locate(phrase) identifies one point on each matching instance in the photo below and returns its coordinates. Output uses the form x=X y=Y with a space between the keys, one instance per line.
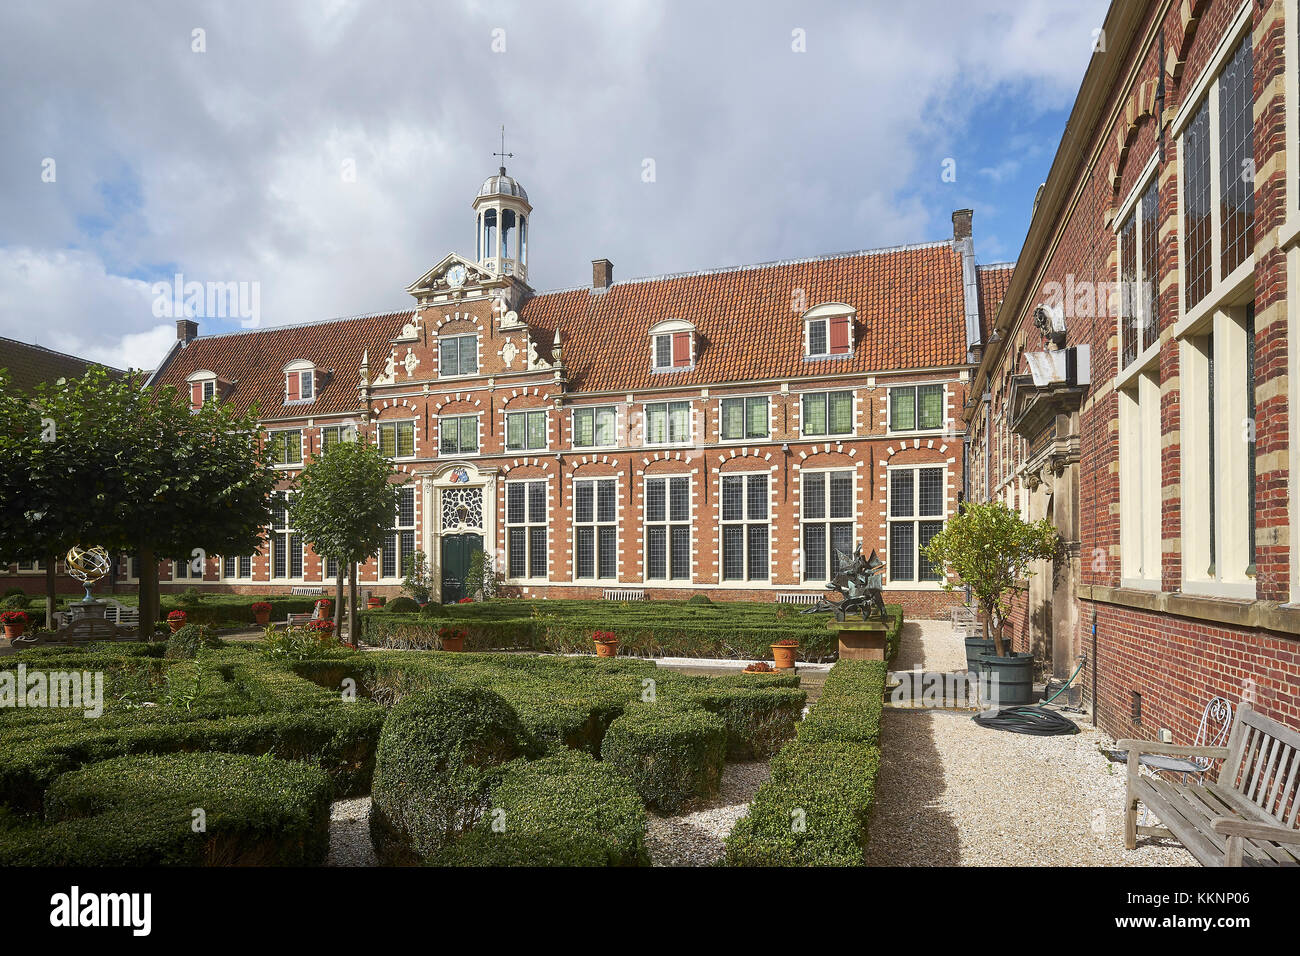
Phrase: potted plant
x=466 y=600
x=988 y=547
x=261 y=613
x=322 y=629
x=14 y=622
x=418 y=582
x=452 y=638
x=783 y=652
x=176 y=620
x=606 y=643
x=759 y=667
x=375 y=601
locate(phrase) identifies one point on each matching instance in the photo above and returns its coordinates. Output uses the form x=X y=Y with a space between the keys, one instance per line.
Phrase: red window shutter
x=839 y=334
x=196 y=394
x=681 y=349
x=293 y=386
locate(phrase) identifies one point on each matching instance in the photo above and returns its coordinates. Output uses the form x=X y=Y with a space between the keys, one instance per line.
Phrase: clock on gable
x=456 y=276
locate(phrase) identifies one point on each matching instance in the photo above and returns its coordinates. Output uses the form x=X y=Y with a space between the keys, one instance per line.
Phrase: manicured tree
x=345 y=505
x=989 y=547
x=131 y=468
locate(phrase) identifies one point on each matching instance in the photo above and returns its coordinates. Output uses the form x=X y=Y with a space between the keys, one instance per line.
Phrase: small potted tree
x=418 y=582
x=606 y=643
x=14 y=622
x=176 y=620
x=988 y=547
x=261 y=613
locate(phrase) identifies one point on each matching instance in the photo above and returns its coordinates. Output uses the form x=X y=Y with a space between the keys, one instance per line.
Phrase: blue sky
x=210 y=139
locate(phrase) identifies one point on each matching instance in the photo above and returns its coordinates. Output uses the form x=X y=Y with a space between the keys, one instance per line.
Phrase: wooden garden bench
x=306 y=617
x=1248 y=817
x=305 y=590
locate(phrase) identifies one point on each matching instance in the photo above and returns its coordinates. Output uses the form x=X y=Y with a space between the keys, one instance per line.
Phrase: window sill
x=828 y=355
x=1139 y=365
x=916 y=433
x=837 y=436
x=527 y=451
x=744 y=441
x=1267 y=615
x=672 y=368
x=575 y=449
x=1226 y=288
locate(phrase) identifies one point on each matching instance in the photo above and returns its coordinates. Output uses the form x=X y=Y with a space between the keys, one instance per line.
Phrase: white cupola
x=501 y=216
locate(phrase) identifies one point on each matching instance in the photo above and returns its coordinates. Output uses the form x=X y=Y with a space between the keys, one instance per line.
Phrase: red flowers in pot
x=261 y=612
x=452 y=638
x=14 y=622
x=176 y=620
x=783 y=652
x=606 y=643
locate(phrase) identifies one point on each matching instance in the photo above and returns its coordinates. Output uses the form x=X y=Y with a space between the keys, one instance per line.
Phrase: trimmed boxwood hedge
x=730 y=630
x=672 y=753
x=438 y=754
x=815 y=809
x=758 y=720
x=140 y=811
x=566 y=809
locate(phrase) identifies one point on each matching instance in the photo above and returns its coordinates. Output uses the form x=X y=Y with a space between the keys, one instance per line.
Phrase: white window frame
x=238 y=575
x=37 y=566
x=597 y=524
x=825 y=520
x=828 y=434
x=1140 y=481
x=594 y=409
x=525 y=412
x=744 y=400
x=667 y=329
x=668 y=443
x=285 y=534
x=271 y=437
x=478 y=357
x=394 y=536
x=528 y=525
x=823 y=313
x=668 y=523
x=745 y=523
x=1206 y=89
x=915 y=519
x=916 y=387
x=395 y=424
x=478 y=435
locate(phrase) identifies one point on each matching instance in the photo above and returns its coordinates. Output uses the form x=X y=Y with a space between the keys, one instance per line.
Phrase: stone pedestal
x=87 y=609
x=860 y=640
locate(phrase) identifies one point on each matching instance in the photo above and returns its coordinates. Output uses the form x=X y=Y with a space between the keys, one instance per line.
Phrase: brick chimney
x=602 y=274
x=961 y=223
x=187 y=330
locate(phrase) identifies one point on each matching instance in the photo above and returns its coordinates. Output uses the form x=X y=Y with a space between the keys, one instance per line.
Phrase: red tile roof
x=993 y=280
x=28 y=365
x=254 y=361
x=748 y=322
x=910 y=314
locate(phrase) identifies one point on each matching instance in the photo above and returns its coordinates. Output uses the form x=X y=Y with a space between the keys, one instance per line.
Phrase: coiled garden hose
x=1031 y=720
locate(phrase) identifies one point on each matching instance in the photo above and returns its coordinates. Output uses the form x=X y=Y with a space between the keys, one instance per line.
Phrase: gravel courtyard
x=951 y=793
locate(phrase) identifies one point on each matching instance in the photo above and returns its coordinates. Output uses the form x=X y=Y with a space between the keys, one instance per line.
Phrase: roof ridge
x=771 y=264
x=66 y=355
x=309 y=324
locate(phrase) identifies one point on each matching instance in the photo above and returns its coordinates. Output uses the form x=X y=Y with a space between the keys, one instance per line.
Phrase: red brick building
x=1135 y=385
x=723 y=431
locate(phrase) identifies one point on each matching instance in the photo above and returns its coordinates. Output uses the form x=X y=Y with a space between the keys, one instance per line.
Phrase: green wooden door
x=457 y=549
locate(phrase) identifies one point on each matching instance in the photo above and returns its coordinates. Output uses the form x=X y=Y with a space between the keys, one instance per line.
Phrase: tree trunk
x=148 y=591
x=338 y=595
x=999 y=647
x=353 y=622
x=50 y=596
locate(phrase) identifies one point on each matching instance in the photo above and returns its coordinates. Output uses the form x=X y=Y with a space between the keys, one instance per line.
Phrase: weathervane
x=503 y=154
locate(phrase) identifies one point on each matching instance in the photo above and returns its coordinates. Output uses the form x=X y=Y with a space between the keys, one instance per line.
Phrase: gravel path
x=953 y=793
x=350 y=834
x=695 y=838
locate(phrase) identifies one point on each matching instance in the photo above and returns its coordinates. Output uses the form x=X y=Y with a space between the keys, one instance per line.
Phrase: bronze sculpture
x=859 y=581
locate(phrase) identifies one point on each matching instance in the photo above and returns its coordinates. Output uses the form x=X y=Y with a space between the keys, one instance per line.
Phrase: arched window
x=507 y=233
x=523 y=240
x=489 y=234
x=478 y=236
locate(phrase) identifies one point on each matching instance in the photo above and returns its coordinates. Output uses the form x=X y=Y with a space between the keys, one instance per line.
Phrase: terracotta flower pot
x=783 y=656
x=324 y=633
x=14 y=630
x=262 y=617
x=374 y=602
x=607 y=648
x=175 y=625
x=453 y=643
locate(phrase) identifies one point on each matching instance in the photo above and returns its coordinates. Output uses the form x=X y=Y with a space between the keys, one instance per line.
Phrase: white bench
x=303 y=590
x=797 y=597
x=1248 y=817
x=305 y=618
x=625 y=594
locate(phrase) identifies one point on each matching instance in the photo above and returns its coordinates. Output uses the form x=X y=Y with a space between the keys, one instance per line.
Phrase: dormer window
x=204 y=387
x=828 y=331
x=672 y=345
x=300 y=382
